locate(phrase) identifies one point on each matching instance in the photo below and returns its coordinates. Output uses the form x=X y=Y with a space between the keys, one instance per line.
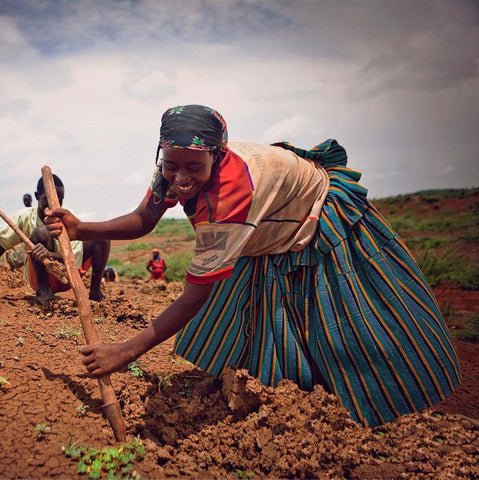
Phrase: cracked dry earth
x=193 y=426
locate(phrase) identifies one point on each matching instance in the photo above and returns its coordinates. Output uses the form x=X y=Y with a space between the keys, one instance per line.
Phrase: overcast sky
x=83 y=86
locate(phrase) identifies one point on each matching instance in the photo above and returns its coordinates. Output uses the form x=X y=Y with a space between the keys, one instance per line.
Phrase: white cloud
x=84 y=85
x=287 y=128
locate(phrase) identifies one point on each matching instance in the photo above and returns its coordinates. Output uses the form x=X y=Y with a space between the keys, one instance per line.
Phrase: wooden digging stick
x=52 y=266
x=111 y=407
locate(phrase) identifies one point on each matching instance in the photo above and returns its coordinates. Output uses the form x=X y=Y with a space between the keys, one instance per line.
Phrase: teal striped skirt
x=352 y=311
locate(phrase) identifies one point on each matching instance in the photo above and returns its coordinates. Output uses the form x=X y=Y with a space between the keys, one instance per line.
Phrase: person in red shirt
x=156 y=266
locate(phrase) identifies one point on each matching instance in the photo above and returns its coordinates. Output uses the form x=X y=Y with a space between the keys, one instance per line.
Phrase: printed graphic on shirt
x=262 y=200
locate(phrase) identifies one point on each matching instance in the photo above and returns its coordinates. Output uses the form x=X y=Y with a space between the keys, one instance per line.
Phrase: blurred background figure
x=16 y=257
x=110 y=274
x=156 y=265
x=27 y=200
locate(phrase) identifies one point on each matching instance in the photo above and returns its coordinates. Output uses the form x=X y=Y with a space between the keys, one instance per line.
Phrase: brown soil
x=194 y=426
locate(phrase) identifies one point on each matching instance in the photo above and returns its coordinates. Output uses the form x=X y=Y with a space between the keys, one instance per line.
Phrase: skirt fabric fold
x=352 y=311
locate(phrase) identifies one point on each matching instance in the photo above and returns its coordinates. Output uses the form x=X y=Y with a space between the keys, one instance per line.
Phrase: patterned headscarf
x=195 y=127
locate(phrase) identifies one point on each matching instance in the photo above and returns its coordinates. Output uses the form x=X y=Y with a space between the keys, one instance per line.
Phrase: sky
x=83 y=85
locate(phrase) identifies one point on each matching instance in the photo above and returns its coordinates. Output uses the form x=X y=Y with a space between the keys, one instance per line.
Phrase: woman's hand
x=102 y=359
x=58 y=218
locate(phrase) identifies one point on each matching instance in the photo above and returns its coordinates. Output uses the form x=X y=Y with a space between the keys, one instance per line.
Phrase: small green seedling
x=3 y=382
x=164 y=380
x=185 y=388
x=110 y=463
x=20 y=341
x=41 y=429
x=41 y=336
x=99 y=320
x=178 y=360
x=135 y=369
x=82 y=409
x=243 y=473
x=66 y=332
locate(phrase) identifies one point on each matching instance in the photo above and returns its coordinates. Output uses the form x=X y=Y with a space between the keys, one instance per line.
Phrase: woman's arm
x=101 y=359
x=132 y=225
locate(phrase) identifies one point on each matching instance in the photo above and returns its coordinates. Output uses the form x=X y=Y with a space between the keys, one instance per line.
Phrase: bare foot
x=45 y=296
x=96 y=296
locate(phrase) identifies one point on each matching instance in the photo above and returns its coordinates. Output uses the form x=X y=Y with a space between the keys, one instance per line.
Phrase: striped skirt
x=352 y=311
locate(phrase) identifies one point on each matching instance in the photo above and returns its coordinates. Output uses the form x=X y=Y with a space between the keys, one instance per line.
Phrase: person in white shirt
x=88 y=253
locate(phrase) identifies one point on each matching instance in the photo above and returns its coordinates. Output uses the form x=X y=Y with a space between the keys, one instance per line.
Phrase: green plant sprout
x=3 y=382
x=41 y=336
x=41 y=429
x=242 y=473
x=20 y=341
x=185 y=388
x=66 y=332
x=178 y=360
x=135 y=369
x=164 y=380
x=81 y=409
x=108 y=462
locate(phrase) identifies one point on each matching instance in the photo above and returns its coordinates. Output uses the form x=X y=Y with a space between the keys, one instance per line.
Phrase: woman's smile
x=186 y=170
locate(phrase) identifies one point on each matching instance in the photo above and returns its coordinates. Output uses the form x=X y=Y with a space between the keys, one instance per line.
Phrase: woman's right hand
x=58 y=218
x=105 y=358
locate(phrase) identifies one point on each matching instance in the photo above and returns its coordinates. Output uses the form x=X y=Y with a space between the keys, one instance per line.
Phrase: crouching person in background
x=31 y=222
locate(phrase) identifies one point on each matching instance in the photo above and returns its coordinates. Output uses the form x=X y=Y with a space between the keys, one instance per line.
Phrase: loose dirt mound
x=191 y=424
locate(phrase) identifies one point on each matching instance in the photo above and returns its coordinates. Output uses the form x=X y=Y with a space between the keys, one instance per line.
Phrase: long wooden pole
x=52 y=266
x=111 y=407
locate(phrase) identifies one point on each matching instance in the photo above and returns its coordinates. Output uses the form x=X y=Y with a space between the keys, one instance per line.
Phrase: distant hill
x=441 y=227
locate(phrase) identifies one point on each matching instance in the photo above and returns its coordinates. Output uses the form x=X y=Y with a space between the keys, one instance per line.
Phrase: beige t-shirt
x=260 y=200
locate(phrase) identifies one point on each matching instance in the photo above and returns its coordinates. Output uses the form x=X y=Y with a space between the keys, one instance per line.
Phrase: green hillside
x=441 y=228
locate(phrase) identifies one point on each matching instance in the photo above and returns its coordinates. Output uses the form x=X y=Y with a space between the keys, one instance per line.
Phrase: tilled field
x=192 y=425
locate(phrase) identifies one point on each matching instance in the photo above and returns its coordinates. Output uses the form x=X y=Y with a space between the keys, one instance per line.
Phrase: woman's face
x=187 y=171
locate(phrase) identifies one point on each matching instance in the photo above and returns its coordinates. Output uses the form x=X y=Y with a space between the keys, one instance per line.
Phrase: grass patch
x=442 y=222
x=426 y=243
x=470 y=330
x=177 y=265
x=443 y=267
x=129 y=269
x=137 y=246
x=169 y=227
x=464 y=326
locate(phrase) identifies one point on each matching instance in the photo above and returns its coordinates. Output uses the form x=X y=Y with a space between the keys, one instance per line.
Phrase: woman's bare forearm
x=102 y=359
x=125 y=227
x=132 y=225
x=173 y=319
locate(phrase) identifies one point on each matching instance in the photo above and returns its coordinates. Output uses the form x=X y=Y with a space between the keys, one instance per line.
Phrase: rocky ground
x=193 y=426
